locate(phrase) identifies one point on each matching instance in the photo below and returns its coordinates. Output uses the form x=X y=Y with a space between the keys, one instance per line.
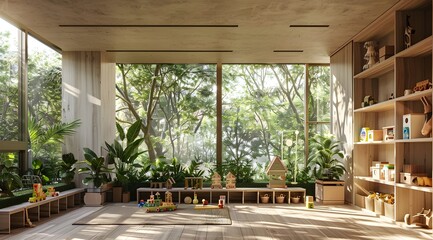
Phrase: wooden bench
x=241 y=195
x=15 y=216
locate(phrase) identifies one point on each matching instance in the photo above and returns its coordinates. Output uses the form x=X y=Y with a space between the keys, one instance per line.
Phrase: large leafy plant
x=95 y=168
x=67 y=167
x=325 y=156
x=9 y=179
x=124 y=152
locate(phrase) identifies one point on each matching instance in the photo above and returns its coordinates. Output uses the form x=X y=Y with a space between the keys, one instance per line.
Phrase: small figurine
x=205 y=202
x=195 y=200
x=423 y=219
x=141 y=203
x=371 y=55
x=427 y=128
x=408 y=32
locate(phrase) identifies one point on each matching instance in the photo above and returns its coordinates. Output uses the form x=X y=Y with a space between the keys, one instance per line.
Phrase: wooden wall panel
x=88 y=94
x=342 y=109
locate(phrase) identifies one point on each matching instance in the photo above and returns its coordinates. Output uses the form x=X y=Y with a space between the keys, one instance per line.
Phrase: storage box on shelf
x=402 y=69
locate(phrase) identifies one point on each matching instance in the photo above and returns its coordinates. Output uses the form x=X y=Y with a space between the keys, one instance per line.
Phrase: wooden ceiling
x=197 y=31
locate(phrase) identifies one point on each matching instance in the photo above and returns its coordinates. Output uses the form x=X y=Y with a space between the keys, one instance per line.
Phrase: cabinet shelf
x=374 y=143
x=415 y=96
x=413 y=187
x=378 y=107
x=370 y=179
x=422 y=48
x=415 y=140
x=377 y=70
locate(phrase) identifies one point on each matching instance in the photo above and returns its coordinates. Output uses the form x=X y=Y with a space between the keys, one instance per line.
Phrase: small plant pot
x=280 y=199
x=265 y=198
x=295 y=199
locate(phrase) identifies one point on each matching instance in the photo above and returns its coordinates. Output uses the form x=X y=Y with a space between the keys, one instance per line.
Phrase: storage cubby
x=402 y=71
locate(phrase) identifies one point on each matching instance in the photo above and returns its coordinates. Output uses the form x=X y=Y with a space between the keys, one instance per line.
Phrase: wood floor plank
x=250 y=221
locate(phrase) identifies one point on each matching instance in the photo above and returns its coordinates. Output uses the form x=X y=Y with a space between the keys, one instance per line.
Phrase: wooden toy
x=169 y=183
x=157 y=184
x=222 y=200
x=375 y=135
x=427 y=127
x=309 y=202
x=371 y=55
x=195 y=200
x=216 y=181
x=412 y=125
x=156 y=205
x=194 y=182
x=277 y=173
x=368 y=101
x=51 y=192
x=230 y=181
x=422 y=85
x=388 y=133
x=38 y=193
x=423 y=219
x=221 y=203
x=187 y=200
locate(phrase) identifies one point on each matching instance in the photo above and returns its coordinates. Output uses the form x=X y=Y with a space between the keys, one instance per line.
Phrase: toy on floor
x=38 y=193
x=423 y=219
x=156 y=205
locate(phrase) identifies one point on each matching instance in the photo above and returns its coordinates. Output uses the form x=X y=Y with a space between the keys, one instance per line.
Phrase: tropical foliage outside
x=266 y=111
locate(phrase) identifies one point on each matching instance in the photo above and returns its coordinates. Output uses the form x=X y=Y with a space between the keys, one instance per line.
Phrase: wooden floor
x=249 y=222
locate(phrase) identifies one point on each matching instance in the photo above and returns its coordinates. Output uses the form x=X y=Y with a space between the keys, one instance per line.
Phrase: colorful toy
x=205 y=202
x=423 y=219
x=221 y=203
x=216 y=181
x=230 y=181
x=141 y=203
x=277 y=173
x=38 y=193
x=156 y=205
x=51 y=192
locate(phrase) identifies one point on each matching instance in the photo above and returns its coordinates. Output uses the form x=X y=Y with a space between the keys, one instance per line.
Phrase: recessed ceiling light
x=289 y=51
x=309 y=25
x=170 y=51
x=147 y=26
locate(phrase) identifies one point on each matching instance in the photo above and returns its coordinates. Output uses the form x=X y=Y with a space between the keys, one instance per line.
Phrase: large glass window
x=9 y=81
x=263 y=116
x=44 y=72
x=177 y=106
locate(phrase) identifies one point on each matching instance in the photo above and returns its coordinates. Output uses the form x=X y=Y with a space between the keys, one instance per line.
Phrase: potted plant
x=123 y=154
x=97 y=175
x=325 y=156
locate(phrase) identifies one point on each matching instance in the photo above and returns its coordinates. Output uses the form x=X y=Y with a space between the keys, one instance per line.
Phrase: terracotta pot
x=265 y=198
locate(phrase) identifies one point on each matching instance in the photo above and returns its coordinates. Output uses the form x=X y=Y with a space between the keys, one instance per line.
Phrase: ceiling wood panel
x=263 y=26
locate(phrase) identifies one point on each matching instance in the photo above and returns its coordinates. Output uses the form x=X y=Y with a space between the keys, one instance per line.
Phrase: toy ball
x=187 y=200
